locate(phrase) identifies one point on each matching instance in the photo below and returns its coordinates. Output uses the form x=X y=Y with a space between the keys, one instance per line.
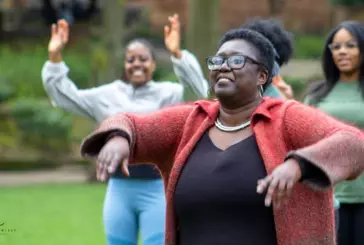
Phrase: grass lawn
x=52 y=215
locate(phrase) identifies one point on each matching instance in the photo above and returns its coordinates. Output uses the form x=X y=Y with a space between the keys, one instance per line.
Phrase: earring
x=209 y=92
x=261 y=90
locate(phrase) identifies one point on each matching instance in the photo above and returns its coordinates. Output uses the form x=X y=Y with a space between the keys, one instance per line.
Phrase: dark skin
x=138 y=64
x=237 y=92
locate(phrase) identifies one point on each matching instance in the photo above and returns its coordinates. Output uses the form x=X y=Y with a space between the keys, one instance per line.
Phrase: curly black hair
x=262 y=45
x=273 y=30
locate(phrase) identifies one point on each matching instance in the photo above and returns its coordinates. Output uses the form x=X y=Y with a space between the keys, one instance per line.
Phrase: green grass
x=52 y=215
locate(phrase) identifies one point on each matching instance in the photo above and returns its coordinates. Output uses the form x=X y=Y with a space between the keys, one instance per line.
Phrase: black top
x=139 y=171
x=216 y=200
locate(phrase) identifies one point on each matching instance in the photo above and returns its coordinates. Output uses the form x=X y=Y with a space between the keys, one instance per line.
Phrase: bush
x=21 y=67
x=40 y=125
x=6 y=90
x=308 y=47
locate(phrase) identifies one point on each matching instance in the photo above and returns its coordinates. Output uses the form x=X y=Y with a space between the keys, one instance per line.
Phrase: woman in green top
x=341 y=96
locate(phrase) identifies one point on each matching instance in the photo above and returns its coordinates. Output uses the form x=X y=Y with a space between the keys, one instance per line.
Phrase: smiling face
x=139 y=64
x=238 y=85
x=345 y=52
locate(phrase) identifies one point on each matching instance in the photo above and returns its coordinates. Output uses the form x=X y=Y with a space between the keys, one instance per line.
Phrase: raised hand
x=172 y=36
x=59 y=38
x=283 y=87
x=280 y=182
x=116 y=151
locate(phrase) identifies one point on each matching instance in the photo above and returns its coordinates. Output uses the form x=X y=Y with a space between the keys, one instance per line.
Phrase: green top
x=345 y=102
x=272 y=91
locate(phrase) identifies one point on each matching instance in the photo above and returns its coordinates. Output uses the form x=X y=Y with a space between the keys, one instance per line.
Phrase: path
x=67 y=174
x=304 y=69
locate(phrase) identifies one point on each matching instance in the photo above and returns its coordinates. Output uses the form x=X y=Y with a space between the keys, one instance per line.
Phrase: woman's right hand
x=116 y=151
x=59 y=39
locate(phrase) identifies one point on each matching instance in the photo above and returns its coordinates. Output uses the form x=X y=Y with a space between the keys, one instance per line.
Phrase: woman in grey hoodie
x=138 y=202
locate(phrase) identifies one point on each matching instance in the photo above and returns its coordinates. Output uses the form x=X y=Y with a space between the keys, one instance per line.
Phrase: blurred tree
x=113 y=30
x=275 y=7
x=202 y=28
x=347 y=9
x=69 y=10
x=347 y=2
x=12 y=14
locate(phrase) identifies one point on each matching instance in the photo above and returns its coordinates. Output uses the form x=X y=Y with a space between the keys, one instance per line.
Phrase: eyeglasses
x=334 y=47
x=234 y=62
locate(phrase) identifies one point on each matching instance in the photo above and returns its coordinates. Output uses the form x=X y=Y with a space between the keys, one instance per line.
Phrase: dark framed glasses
x=234 y=62
x=334 y=47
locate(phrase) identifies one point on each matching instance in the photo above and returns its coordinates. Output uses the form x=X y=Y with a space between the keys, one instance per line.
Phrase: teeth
x=224 y=79
x=138 y=73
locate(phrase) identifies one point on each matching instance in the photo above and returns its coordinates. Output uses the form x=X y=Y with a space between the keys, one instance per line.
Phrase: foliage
x=298 y=86
x=21 y=67
x=347 y=3
x=6 y=90
x=40 y=125
x=308 y=47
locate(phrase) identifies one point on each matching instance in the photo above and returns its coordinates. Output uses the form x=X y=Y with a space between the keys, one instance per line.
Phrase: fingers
x=54 y=29
x=113 y=164
x=166 y=31
x=62 y=24
x=271 y=191
x=290 y=185
x=63 y=29
x=281 y=193
x=124 y=167
x=103 y=161
x=101 y=172
x=175 y=24
x=263 y=184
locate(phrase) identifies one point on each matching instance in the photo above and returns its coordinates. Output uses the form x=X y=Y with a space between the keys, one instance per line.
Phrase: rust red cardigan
x=282 y=129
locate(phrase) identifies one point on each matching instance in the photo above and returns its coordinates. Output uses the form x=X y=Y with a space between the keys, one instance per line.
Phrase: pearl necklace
x=219 y=125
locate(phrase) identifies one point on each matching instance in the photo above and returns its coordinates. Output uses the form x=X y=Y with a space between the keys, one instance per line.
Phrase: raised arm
x=335 y=148
x=64 y=93
x=152 y=137
x=59 y=87
x=185 y=65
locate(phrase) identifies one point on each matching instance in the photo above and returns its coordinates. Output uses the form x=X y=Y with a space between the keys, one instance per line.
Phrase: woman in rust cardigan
x=225 y=162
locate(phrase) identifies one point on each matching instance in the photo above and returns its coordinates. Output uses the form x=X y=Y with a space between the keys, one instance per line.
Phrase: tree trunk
x=113 y=23
x=203 y=28
x=275 y=7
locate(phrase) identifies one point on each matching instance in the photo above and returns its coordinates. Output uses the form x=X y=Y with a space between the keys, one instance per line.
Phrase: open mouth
x=224 y=80
x=137 y=73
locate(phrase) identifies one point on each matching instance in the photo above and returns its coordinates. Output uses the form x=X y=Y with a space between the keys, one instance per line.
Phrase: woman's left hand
x=280 y=182
x=172 y=36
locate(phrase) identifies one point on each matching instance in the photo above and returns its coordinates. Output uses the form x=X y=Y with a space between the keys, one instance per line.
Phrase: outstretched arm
x=333 y=147
x=59 y=87
x=324 y=151
x=65 y=94
x=152 y=137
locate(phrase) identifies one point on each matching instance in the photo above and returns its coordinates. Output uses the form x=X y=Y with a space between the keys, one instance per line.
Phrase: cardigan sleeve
x=153 y=137
x=334 y=147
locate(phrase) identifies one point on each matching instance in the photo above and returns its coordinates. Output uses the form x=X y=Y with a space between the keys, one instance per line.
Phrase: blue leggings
x=133 y=205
